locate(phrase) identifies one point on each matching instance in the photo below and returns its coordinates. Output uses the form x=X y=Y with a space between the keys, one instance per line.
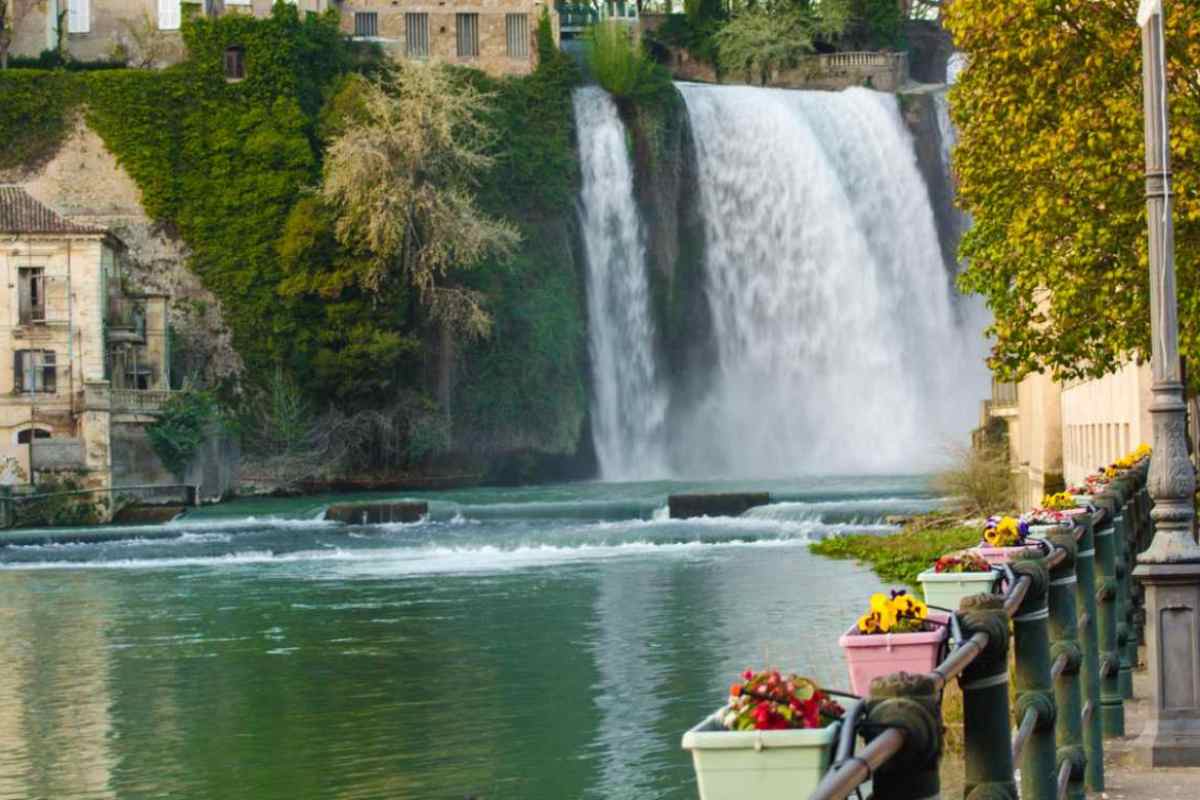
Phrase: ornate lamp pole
x=1170 y=566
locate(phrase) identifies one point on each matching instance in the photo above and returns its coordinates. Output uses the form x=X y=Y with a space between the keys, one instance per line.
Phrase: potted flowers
x=1003 y=538
x=895 y=635
x=955 y=576
x=774 y=738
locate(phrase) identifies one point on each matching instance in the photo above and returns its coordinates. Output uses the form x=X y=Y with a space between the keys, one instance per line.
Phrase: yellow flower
x=868 y=623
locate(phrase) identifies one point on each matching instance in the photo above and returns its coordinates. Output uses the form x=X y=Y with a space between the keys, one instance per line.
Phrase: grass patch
x=900 y=557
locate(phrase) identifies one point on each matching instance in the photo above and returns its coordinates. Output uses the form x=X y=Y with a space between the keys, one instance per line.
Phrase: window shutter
x=79 y=16
x=49 y=372
x=168 y=15
x=18 y=372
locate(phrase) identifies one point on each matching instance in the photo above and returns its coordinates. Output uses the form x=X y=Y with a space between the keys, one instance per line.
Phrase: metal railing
x=16 y=499
x=1074 y=634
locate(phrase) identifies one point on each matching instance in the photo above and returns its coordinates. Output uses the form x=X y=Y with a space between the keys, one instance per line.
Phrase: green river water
x=543 y=644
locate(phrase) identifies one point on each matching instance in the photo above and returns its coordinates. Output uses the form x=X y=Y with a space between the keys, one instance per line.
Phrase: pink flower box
x=873 y=655
x=1003 y=555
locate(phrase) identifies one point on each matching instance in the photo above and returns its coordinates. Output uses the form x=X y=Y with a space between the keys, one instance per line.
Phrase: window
x=24 y=436
x=79 y=16
x=35 y=371
x=416 y=35
x=467 y=29
x=169 y=15
x=366 y=23
x=516 y=26
x=235 y=63
x=31 y=288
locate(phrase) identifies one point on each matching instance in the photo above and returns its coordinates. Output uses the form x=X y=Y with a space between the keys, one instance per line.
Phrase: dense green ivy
x=181 y=428
x=228 y=165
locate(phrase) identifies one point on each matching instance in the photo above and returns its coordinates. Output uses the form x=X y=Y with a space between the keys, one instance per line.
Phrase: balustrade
x=1074 y=634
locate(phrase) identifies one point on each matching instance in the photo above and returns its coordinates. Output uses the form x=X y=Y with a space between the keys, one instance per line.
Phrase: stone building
x=79 y=355
x=1058 y=433
x=496 y=36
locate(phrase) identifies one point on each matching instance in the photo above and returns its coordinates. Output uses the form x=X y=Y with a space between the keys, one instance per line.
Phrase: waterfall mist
x=629 y=402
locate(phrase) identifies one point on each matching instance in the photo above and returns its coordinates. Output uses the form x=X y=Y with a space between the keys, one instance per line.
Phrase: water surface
x=539 y=644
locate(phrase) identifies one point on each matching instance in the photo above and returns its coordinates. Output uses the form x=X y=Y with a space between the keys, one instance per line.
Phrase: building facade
x=1058 y=433
x=79 y=355
x=496 y=36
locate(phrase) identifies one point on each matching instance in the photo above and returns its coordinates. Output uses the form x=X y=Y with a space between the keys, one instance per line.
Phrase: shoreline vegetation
x=899 y=557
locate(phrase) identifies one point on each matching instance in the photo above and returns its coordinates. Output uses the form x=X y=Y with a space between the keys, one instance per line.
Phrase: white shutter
x=168 y=15
x=79 y=16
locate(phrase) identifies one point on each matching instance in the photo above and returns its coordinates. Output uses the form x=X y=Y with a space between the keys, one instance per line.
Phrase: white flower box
x=947 y=589
x=759 y=765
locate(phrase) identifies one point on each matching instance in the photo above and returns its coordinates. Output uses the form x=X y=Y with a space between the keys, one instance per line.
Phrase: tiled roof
x=20 y=213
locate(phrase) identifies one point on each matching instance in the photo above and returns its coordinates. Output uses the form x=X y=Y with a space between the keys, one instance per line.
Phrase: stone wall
x=215 y=468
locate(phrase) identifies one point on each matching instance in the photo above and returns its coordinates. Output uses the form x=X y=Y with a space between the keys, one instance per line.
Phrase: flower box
x=1003 y=555
x=873 y=655
x=764 y=765
x=947 y=589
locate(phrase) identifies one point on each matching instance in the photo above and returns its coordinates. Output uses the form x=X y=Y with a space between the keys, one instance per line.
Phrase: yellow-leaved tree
x=400 y=178
x=1050 y=166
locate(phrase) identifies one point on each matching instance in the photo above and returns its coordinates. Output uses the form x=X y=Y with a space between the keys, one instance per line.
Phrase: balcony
x=1004 y=396
x=126 y=320
x=140 y=401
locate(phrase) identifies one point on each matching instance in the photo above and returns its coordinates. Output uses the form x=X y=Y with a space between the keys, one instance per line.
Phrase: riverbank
x=901 y=556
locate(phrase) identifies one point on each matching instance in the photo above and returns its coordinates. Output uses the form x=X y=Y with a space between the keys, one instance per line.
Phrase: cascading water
x=839 y=346
x=629 y=402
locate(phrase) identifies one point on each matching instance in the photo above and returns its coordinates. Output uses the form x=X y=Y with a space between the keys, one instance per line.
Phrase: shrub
x=180 y=430
x=63 y=508
x=980 y=479
x=621 y=65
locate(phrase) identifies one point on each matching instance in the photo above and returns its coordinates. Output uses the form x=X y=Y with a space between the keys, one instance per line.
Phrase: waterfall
x=839 y=344
x=629 y=401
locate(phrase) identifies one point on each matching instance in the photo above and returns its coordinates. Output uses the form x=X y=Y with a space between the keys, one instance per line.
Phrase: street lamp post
x=1170 y=566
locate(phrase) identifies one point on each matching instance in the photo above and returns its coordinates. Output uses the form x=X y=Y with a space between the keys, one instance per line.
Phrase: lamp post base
x=1171 y=737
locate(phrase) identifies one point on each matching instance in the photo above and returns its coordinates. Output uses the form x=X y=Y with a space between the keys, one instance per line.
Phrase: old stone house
x=81 y=358
x=496 y=36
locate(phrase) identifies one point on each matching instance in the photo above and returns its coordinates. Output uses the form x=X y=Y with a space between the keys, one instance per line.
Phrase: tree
x=12 y=12
x=763 y=37
x=400 y=182
x=1050 y=166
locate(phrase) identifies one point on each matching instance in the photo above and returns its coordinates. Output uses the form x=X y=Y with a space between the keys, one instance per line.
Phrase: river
x=537 y=643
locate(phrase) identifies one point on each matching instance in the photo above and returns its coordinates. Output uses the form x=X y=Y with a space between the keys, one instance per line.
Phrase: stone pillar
x=1112 y=706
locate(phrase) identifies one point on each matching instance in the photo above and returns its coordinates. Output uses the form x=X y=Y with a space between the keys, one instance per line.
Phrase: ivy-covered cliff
x=230 y=168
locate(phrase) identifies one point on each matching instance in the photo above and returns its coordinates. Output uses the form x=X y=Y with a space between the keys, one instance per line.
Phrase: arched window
x=235 y=63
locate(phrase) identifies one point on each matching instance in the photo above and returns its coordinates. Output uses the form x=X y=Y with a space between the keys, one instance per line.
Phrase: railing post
x=985 y=701
x=1112 y=705
x=1031 y=642
x=1085 y=602
x=1067 y=697
x=913 y=704
x=1124 y=612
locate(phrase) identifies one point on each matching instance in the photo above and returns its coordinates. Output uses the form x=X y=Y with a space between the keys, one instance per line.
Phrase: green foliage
x=698 y=37
x=900 y=557
x=35 y=109
x=182 y=427
x=620 y=64
x=881 y=23
x=64 y=509
x=229 y=166
x=54 y=59
x=771 y=36
x=1050 y=167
